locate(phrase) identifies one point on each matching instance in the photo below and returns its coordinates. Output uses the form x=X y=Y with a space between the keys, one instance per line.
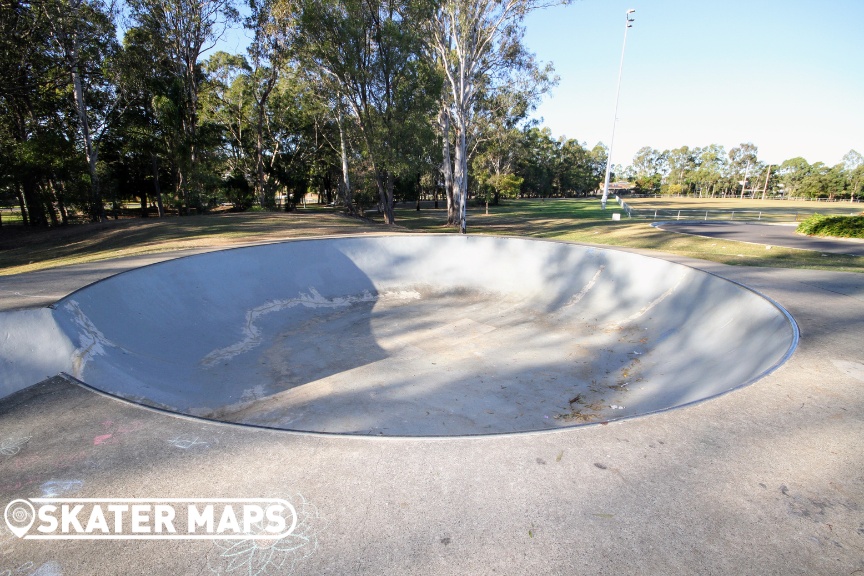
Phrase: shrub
x=838 y=226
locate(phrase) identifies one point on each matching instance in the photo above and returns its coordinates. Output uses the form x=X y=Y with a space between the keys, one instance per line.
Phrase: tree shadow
x=420 y=335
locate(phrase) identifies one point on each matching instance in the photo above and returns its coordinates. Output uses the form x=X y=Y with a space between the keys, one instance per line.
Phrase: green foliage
x=674 y=189
x=239 y=192
x=247 y=128
x=507 y=185
x=562 y=167
x=837 y=226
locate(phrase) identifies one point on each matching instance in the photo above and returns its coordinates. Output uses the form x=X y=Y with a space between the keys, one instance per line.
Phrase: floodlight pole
x=628 y=23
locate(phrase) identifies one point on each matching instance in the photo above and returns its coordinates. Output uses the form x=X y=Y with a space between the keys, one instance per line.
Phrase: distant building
x=620 y=187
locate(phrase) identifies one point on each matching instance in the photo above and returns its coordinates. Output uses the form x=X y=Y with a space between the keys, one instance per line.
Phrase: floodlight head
x=631 y=10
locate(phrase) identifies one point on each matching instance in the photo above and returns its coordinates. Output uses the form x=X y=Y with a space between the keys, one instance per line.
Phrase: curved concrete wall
x=218 y=333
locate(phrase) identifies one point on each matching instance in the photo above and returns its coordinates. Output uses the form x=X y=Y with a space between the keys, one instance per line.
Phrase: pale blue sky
x=787 y=76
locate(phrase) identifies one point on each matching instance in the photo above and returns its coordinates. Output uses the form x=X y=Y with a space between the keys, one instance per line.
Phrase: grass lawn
x=579 y=220
x=737 y=209
x=582 y=220
x=10 y=217
x=25 y=250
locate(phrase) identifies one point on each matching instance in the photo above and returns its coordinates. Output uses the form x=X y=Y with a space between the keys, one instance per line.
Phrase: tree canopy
x=361 y=103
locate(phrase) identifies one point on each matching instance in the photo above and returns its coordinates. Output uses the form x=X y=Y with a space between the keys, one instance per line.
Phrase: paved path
x=768 y=479
x=768 y=234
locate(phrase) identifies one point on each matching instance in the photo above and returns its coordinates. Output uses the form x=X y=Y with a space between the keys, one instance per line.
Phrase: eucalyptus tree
x=84 y=41
x=681 y=164
x=816 y=183
x=711 y=164
x=853 y=165
x=372 y=51
x=227 y=101
x=477 y=44
x=650 y=166
x=597 y=158
x=269 y=51
x=578 y=173
x=792 y=173
x=743 y=159
x=500 y=112
x=181 y=31
x=299 y=130
x=495 y=162
x=32 y=105
x=152 y=126
x=538 y=161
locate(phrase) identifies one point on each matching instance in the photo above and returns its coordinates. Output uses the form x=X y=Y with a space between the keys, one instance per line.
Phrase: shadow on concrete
x=419 y=335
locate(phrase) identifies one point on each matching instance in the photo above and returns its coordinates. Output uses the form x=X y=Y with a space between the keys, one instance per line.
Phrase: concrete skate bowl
x=420 y=335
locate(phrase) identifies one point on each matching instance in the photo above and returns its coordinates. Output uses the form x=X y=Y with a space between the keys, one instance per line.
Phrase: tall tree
x=853 y=165
x=478 y=42
x=267 y=53
x=650 y=166
x=84 y=38
x=743 y=163
x=372 y=52
x=183 y=30
x=32 y=102
x=792 y=174
x=711 y=160
x=681 y=163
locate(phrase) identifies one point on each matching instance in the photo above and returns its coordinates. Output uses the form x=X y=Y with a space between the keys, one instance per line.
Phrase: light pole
x=628 y=23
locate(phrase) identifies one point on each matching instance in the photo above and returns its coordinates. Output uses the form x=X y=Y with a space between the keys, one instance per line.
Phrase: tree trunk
x=157 y=189
x=767 y=176
x=180 y=187
x=385 y=194
x=24 y=219
x=266 y=199
x=191 y=132
x=347 y=196
x=91 y=152
x=61 y=204
x=259 y=157
x=447 y=167
x=47 y=194
x=35 y=208
x=460 y=178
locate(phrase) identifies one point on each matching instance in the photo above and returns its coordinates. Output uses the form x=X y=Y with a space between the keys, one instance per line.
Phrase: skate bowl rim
x=790 y=350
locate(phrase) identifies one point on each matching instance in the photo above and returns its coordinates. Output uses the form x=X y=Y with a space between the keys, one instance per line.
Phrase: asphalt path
x=768 y=234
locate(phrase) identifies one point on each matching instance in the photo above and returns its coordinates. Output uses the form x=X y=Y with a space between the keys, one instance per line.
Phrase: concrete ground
x=768 y=479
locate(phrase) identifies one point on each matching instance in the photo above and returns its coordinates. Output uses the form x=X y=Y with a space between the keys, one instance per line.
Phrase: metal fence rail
x=693 y=214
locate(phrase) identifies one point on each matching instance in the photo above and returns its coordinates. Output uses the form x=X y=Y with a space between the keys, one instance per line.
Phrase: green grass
x=24 y=249
x=734 y=209
x=836 y=226
x=10 y=217
x=582 y=220
x=578 y=220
